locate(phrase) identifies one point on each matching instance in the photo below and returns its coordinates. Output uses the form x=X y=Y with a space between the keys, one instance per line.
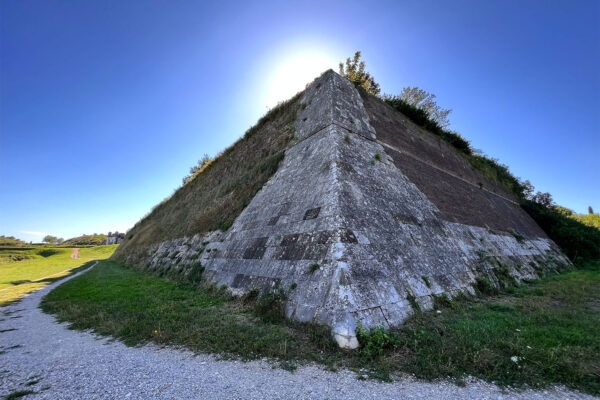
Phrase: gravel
x=81 y=365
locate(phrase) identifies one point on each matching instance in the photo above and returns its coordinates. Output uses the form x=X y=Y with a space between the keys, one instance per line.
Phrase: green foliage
x=313 y=268
x=421 y=118
x=355 y=72
x=425 y=101
x=497 y=172
x=11 y=241
x=592 y=220
x=578 y=241
x=426 y=280
x=270 y=307
x=520 y=238
x=52 y=239
x=442 y=301
x=505 y=279
x=84 y=240
x=484 y=286
x=195 y=273
x=376 y=341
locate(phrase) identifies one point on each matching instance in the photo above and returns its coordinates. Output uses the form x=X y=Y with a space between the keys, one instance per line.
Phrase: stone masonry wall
x=341 y=201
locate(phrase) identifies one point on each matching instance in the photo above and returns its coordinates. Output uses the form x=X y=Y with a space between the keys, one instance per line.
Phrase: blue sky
x=104 y=105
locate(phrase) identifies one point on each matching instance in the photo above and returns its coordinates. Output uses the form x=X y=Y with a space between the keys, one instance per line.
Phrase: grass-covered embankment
x=25 y=269
x=542 y=333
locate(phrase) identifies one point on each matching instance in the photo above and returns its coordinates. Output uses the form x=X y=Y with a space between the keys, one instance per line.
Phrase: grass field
x=20 y=267
x=541 y=333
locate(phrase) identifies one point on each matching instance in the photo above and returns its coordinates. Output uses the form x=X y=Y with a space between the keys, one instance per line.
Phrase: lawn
x=540 y=333
x=20 y=267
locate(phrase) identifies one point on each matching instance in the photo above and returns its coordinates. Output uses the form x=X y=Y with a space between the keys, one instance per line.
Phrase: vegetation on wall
x=354 y=71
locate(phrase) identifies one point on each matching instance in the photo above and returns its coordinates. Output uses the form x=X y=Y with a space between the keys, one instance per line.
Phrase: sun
x=292 y=75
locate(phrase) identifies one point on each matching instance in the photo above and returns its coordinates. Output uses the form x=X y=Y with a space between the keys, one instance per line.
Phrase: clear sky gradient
x=104 y=105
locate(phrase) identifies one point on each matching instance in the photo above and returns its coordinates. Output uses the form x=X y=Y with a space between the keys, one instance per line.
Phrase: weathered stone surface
x=342 y=199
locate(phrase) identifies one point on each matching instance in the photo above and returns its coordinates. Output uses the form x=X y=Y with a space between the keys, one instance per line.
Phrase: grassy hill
x=26 y=269
x=11 y=241
x=84 y=240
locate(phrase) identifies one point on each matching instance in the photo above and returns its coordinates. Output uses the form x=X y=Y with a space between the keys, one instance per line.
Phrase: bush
x=270 y=307
x=421 y=118
x=578 y=241
x=376 y=341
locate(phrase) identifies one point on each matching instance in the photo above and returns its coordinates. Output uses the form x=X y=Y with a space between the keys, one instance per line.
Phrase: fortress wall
x=461 y=193
x=374 y=229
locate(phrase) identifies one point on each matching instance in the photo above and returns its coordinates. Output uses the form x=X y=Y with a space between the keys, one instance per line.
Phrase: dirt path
x=75 y=253
x=39 y=354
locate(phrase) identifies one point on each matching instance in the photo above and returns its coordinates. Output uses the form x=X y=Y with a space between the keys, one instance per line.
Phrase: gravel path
x=73 y=365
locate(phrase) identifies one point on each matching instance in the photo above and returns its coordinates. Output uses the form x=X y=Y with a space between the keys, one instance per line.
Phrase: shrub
x=355 y=72
x=376 y=341
x=578 y=241
x=270 y=307
x=484 y=286
x=313 y=268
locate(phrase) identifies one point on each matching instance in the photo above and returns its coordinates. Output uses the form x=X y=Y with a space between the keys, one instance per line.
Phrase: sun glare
x=292 y=75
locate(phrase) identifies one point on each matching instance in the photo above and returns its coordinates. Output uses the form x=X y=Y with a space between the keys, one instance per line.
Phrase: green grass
x=20 y=266
x=137 y=308
x=550 y=326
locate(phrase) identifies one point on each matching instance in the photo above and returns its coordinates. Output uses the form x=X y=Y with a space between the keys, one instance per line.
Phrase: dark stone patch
x=254 y=282
x=346 y=167
x=257 y=249
x=347 y=236
x=304 y=246
x=285 y=209
x=273 y=221
x=312 y=213
x=405 y=219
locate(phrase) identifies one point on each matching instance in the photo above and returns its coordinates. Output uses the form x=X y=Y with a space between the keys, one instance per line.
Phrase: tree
x=426 y=101
x=528 y=189
x=355 y=73
x=49 y=239
x=590 y=210
x=544 y=199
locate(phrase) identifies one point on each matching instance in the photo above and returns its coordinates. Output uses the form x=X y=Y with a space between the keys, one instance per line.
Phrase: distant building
x=114 y=238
